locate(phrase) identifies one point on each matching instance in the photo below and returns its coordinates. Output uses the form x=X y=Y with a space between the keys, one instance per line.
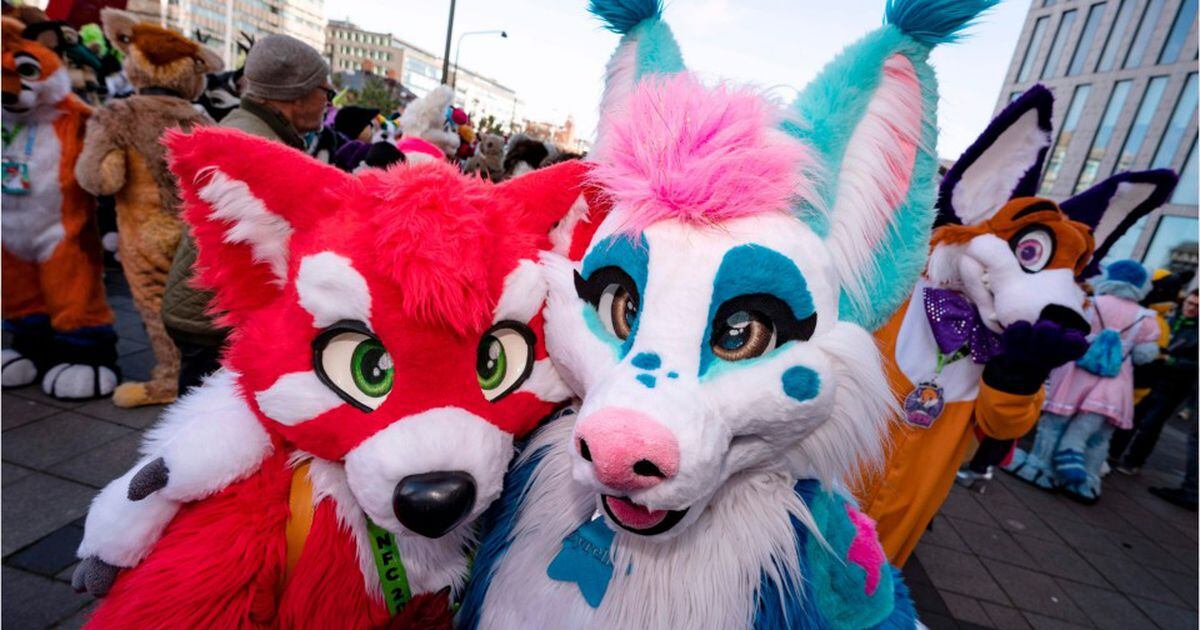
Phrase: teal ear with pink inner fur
x=870 y=118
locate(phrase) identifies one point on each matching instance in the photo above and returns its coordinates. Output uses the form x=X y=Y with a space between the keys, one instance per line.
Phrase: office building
x=220 y=23
x=1123 y=73
x=349 y=47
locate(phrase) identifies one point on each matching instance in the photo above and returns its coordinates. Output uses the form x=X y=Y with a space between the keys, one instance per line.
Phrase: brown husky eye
x=614 y=296
x=743 y=335
x=622 y=312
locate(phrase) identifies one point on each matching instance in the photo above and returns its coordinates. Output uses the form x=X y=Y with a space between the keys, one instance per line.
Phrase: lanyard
x=392 y=575
x=10 y=135
x=946 y=359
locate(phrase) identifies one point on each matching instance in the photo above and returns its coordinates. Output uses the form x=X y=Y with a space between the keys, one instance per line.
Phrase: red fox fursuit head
x=386 y=351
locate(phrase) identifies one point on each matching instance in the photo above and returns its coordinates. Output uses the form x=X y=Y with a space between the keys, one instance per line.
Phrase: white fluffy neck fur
x=745 y=530
x=431 y=564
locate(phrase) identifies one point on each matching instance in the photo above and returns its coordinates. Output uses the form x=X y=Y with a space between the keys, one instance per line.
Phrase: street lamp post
x=458 y=49
x=449 y=34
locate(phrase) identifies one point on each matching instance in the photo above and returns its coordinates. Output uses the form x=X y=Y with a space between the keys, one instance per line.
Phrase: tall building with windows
x=1123 y=73
x=347 y=47
x=220 y=22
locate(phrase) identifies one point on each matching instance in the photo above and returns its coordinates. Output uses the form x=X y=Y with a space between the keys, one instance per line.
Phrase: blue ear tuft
x=933 y=22
x=620 y=16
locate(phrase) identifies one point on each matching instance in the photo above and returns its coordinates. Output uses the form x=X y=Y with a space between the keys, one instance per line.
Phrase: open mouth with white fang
x=639 y=519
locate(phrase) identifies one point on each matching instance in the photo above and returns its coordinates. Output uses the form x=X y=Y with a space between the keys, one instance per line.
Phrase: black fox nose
x=432 y=504
x=1065 y=317
x=9 y=98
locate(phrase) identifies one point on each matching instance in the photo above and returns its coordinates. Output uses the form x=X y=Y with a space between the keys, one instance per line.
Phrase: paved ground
x=1018 y=557
x=1011 y=557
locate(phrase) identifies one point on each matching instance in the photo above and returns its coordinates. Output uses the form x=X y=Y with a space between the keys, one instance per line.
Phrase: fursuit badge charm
x=16 y=178
x=924 y=404
x=584 y=560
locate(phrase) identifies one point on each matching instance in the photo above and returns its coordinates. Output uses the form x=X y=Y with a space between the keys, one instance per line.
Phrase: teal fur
x=825 y=116
x=621 y=16
x=838 y=584
x=646 y=361
x=801 y=383
x=657 y=50
x=933 y=22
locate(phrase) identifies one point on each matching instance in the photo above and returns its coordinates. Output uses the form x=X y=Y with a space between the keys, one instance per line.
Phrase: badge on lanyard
x=15 y=179
x=925 y=403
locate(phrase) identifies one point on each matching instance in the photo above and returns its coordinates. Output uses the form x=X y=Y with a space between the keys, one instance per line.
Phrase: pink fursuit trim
x=865 y=550
x=679 y=150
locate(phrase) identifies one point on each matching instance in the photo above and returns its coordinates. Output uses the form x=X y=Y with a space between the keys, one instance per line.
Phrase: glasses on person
x=330 y=93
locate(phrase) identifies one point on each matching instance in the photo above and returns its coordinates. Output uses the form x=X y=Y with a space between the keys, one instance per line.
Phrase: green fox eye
x=503 y=359
x=371 y=367
x=356 y=366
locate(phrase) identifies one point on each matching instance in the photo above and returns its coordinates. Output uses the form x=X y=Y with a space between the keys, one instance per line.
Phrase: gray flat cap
x=283 y=68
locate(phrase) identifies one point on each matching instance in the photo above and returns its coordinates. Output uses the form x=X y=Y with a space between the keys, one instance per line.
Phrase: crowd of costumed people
x=423 y=377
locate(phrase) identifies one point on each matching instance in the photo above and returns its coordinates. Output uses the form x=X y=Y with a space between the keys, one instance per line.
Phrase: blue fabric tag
x=584 y=560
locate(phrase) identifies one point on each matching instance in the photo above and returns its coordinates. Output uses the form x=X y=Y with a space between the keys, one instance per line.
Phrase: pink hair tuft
x=679 y=150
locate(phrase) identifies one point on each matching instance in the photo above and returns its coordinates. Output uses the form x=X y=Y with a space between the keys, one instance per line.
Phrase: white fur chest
x=430 y=564
x=32 y=223
x=669 y=584
x=917 y=352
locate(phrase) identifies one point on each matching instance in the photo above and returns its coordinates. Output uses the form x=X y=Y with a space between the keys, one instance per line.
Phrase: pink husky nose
x=628 y=450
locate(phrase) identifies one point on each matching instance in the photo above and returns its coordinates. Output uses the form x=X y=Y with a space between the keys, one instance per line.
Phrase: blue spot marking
x=633 y=258
x=801 y=383
x=647 y=361
x=751 y=269
x=647 y=379
x=672 y=374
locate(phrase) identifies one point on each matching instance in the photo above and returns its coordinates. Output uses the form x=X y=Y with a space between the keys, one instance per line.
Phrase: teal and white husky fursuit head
x=713 y=318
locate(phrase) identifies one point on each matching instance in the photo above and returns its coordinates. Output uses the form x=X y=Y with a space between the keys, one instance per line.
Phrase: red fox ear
x=244 y=197
x=546 y=194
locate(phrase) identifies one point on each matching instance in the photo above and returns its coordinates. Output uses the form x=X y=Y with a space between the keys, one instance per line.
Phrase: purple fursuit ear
x=1113 y=205
x=1017 y=150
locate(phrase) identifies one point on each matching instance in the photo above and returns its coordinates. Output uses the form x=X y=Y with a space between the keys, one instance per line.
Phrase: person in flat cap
x=286 y=91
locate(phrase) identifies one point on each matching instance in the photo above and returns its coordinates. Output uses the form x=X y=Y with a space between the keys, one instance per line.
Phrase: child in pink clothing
x=1088 y=399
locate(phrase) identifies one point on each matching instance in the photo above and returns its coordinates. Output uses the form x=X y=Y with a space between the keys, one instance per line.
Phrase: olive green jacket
x=185 y=309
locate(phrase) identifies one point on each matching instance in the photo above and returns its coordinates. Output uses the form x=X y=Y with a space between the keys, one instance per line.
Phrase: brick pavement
x=1011 y=557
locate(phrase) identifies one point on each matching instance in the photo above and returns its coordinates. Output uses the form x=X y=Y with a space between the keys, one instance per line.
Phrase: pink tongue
x=633 y=515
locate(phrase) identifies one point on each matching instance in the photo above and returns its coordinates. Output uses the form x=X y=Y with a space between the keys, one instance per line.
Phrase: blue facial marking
x=647 y=379
x=632 y=257
x=672 y=374
x=646 y=361
x=801 y=383
x=749 y=270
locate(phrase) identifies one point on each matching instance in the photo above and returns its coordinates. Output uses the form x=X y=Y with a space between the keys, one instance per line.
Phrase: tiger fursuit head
x=386 y=350
x=54 y=303
x=1004 y=268
x=716 y=331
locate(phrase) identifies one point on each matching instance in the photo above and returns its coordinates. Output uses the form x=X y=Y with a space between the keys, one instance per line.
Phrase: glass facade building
x=1124 y=75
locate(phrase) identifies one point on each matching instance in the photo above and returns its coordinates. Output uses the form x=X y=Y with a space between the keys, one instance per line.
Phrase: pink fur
x=679 y=150
x=902 y=78
x=865 y=550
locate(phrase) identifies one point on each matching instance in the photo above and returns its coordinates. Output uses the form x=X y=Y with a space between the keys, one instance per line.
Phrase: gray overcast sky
x=555 y=52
